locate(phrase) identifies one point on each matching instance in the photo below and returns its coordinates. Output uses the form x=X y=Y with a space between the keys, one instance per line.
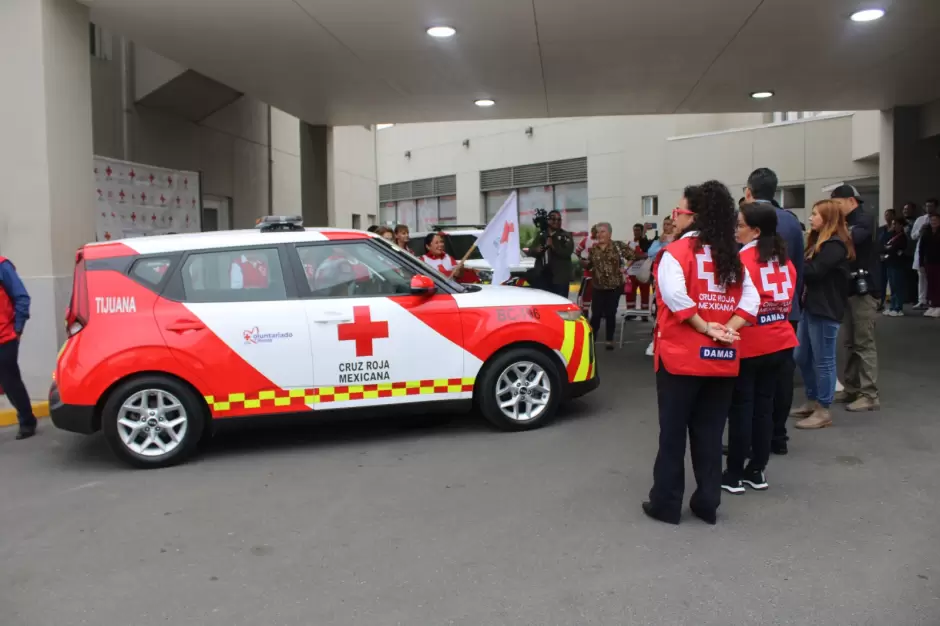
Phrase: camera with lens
x=860 y=285
x=540 y=220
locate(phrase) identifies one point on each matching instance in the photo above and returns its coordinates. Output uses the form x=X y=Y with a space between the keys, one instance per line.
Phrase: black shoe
x=731 y=484
x=659 y=516
x=25 y=433
x=779 y=447
x=609 y=347
x=755 y=479
x=709 y=517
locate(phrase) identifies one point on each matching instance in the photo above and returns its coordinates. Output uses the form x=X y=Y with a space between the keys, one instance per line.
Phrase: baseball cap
x=846 y=191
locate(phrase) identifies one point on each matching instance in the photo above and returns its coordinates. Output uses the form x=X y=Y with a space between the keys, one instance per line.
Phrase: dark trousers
x=604 y=306
x=12 y=382
x=696 y=406
x=750 y=421
x=783 y=396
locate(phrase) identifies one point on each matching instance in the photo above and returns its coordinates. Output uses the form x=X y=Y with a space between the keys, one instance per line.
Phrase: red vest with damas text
x=775 y=284
x=681 y=349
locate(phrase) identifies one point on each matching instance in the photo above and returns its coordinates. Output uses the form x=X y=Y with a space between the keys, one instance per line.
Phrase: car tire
x=498 y=385
x=141 y=411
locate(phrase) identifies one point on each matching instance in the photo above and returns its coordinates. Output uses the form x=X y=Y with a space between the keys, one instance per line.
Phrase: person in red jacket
x=765 y=348
x=14 y=311
x=704 y=295
x=249 y=272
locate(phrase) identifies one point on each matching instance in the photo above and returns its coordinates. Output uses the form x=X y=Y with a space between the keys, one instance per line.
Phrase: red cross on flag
x=499 y=242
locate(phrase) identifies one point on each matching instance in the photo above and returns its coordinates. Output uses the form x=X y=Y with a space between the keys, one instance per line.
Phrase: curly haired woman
x=704 y=295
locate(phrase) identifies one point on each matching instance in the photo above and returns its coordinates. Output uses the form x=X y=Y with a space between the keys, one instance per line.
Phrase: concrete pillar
x=886 y=164
x=46 y=180
x=900 y=135
x=315 y=174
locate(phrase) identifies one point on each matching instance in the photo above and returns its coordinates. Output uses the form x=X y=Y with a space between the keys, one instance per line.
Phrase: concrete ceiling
x=369 y=61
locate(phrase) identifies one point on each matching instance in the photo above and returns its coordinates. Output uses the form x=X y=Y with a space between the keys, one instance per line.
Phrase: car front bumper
x=76 y=418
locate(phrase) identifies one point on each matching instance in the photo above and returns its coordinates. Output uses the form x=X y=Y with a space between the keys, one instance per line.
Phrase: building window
x=791 y=197
x=371 y=219
x=356 y=221
x=558 y=185
x=419 y=204
x=650 y=206
x=99 y=42
x=569 y=199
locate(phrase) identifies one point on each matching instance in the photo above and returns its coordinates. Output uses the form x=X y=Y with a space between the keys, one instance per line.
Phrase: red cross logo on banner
x=508 y=228
x=108 y=171
x=143 y=197
x=363 y=330
x=133 y=174
x=776 y=280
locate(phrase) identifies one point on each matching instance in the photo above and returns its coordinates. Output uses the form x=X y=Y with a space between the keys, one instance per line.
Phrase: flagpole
x=469 y=252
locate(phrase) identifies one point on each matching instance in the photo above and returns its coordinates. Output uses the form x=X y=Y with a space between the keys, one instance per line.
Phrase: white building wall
x=628 y=156
x=352 y=188
x=229 y=148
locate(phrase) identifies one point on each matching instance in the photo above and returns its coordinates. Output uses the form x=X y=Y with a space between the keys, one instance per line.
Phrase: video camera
x=540 y=220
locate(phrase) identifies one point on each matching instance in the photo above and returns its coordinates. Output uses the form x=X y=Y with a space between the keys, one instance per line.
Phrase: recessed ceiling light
x=441 y=32
x=761 y=95
x=383 y=126
x=485 y=102
x=868 y=15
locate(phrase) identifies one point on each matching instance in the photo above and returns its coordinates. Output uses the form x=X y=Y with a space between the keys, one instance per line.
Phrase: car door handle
x=181 y=326
x=332 y=317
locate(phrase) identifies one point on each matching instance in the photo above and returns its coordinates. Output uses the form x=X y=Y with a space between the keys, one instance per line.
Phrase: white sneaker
x=649 y=350
x=933 y=312
x=886 y=312
x=898 y=314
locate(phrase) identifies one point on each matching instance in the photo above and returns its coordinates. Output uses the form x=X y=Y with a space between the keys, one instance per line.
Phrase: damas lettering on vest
x=115 y=304
x=717 y=354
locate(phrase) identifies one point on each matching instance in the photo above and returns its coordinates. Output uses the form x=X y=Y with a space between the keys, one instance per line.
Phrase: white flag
x=499 y=242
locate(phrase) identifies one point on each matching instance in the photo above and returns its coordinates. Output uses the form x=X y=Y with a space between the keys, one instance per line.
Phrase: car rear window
x=151 y=271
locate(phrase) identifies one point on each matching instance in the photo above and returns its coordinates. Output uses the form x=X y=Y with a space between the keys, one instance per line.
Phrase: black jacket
x=863 y=225
x=558 y=264
x=826 y=279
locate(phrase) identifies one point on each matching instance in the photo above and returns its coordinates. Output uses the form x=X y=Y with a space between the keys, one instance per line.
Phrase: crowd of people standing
x=741 y=301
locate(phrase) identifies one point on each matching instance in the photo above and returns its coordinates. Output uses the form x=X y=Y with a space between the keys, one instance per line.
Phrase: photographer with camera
x=858 y=331
x=552 y=250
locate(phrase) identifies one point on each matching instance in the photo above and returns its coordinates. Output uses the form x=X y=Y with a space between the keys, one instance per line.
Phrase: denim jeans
x=816 y=356
x=896 y=279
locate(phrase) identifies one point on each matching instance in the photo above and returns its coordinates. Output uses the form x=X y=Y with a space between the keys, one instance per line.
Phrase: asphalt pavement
x=404 y=522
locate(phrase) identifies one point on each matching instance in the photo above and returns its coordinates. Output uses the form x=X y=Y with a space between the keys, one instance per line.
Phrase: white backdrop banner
x=137 y=200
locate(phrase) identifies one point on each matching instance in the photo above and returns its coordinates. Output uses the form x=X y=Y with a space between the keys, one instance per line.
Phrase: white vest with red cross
x=687 y=284
x=775 y=283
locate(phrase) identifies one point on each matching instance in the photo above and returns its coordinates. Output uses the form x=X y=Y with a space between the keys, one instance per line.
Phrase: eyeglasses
x=676 y=212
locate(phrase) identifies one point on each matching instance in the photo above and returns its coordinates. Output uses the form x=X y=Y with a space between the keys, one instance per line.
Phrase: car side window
x=353 y=269
x=151 y=271
x=248 y=275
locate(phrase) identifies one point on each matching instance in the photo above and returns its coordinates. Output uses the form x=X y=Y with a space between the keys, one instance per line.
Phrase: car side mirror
x=422 y=286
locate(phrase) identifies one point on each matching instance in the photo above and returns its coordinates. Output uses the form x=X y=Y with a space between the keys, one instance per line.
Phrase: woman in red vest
x=765 y=348
x=703 y=295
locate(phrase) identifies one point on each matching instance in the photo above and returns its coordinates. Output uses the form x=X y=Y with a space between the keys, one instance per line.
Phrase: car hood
x=525 y=265
x=500 y=295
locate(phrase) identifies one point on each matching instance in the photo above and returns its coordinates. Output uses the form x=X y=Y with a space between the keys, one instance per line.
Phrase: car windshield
x=425 y=268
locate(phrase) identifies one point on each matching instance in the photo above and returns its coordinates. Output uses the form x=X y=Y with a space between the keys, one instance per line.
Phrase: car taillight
x=76 y=316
